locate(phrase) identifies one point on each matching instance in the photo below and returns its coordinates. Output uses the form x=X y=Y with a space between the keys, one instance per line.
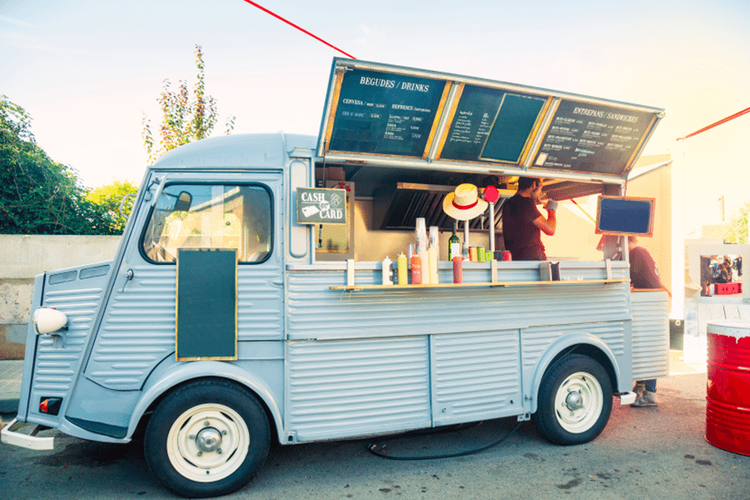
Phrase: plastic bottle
x=403 y=273
x=420 y=249
x=387 y=271
x=458 y=272
x=416 y=269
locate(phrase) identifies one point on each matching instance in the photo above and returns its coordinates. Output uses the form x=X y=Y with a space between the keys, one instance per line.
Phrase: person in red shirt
x=644 y=275
x=523 y=223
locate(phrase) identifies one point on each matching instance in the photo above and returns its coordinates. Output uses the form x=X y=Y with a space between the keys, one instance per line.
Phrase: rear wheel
x=208 y=438
x=575 y=401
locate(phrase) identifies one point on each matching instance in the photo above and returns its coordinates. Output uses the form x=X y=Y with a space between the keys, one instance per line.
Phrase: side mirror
x=183 y=202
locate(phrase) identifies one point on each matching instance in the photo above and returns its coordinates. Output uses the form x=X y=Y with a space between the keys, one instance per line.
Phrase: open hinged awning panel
x=378 y=114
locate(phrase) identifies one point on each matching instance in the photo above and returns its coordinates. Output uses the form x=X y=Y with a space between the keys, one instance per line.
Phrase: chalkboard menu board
x=385 y=113
x=382 y=115
x=206 y=304
x=491 y=124
x=585 y=137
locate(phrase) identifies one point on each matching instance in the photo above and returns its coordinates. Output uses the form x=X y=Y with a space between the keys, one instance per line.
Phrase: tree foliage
x=736 y=228
x=184 y=119
x=108 y=199
x=38 y=195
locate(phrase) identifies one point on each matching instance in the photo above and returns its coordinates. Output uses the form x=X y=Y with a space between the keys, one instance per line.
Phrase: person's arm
x=548 y=225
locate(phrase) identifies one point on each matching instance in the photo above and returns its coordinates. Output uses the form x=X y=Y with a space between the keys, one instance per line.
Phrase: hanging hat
x=464 y=203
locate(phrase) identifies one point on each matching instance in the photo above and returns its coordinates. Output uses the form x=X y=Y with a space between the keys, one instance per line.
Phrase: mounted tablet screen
x=617 y=215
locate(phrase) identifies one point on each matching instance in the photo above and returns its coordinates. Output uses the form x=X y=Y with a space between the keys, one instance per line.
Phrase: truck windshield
x=210 y=216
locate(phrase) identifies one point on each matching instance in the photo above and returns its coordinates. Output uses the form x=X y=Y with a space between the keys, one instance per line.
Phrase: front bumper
x=9 y=435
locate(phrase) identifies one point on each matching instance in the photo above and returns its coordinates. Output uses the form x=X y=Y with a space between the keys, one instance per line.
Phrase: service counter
x=368 y=275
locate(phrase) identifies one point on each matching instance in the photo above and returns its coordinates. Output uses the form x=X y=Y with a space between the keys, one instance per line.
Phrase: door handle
x=129 y=275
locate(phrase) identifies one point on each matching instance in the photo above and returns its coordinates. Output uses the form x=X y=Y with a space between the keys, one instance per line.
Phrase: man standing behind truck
x=644 y=275
x=523 y=223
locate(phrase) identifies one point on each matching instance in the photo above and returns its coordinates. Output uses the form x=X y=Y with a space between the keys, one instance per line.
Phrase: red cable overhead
x=295 y=26
x=747 y=110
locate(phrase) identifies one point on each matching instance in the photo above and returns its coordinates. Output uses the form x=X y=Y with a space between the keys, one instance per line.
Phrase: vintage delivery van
x=246 y=303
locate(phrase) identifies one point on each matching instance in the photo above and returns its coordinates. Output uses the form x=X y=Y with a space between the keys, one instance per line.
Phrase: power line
x=301 y=29
x=716 y=124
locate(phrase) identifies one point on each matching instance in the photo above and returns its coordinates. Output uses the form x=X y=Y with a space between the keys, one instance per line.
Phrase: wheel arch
x=578 y=343
x=178 y=375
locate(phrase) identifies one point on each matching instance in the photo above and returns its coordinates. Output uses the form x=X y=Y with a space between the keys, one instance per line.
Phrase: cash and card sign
x=321 y=206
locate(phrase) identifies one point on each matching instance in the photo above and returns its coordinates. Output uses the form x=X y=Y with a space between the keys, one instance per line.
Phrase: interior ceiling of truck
x=401 y=195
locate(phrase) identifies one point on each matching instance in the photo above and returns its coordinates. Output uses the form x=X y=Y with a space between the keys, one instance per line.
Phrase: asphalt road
x=643 y=453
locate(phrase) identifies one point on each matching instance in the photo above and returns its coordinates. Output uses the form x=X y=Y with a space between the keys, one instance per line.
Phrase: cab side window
x=212 y=217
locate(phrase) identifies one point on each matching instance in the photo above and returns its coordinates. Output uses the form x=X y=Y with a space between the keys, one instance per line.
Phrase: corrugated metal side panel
x=260 y=305
x=650 y=335
x=475 y=376
x=535 y=341
x=137 y=330
x=56 y=365
x=350 y=388
x=314 y=311
x=78 y=293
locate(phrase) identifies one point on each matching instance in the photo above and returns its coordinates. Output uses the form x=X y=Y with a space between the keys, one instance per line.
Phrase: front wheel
x=207 y=438
x=575 y=401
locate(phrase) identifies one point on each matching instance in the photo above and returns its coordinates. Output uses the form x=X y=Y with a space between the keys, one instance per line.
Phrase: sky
x=88 y=71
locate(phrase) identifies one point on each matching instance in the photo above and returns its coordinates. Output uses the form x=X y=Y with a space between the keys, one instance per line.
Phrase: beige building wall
x=575 y=237
x=25 y=256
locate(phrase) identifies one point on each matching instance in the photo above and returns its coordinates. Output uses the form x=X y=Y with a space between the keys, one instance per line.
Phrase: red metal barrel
x=728 y=386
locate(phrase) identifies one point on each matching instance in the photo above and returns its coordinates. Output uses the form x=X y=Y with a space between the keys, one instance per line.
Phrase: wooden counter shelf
x=356 y=288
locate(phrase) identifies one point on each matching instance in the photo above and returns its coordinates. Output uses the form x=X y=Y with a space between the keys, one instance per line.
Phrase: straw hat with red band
x=464 y=203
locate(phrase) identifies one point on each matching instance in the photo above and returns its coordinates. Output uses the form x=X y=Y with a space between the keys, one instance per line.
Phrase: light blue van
x=228 y=320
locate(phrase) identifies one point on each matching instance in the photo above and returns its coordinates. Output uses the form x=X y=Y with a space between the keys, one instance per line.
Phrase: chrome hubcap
x=574 y=401
x=208 y=440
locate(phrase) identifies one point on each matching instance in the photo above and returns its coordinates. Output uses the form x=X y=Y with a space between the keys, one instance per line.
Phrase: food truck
x=259 y=295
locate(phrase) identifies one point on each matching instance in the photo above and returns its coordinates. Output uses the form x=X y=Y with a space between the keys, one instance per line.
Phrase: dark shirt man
x=523 y=223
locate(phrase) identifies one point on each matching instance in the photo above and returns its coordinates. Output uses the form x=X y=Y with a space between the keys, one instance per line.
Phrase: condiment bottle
x=458 y=272
x=403 y=273
x=387 y=271
x=416 y=269
x=421 y=250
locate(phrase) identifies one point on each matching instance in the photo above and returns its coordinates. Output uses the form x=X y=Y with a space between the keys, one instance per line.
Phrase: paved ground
x=643 y=453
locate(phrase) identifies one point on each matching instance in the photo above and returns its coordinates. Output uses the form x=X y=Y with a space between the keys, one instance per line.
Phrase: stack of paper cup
x=433 y=253
x=421 y=249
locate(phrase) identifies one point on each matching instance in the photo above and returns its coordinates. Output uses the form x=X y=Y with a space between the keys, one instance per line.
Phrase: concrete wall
x=26 y=256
